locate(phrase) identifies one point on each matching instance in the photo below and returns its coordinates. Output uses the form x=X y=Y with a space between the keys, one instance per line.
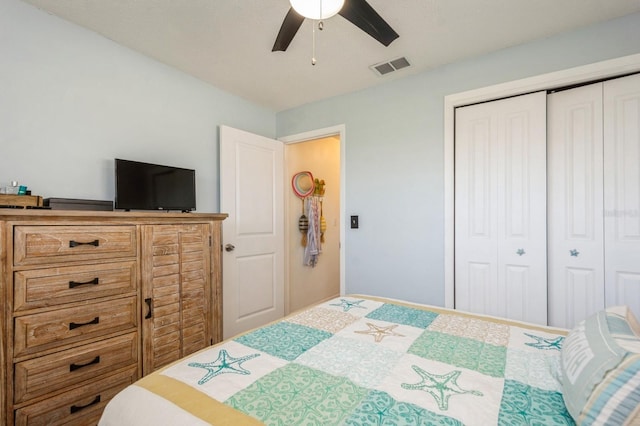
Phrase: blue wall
x=71 y=101
x=394 y=154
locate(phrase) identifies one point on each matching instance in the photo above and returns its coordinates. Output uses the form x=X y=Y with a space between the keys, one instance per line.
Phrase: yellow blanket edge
x=195 y=402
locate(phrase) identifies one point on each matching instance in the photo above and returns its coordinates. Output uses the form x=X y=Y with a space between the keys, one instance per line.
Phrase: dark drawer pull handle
x=76 y=408
x=74 y=284
x=73 y=243
x=73 y=325
x=74 y=367
x=149 y=303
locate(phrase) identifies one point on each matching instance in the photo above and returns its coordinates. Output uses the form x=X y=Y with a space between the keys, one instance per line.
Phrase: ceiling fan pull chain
x=313 y=41
x=320 y=26
x=320 y=22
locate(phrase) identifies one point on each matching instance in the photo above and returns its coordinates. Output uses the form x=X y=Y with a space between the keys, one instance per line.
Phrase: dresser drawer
x=82 y=406
x=55 y=286
x=52 y=329
x=71 y=367
x=49 y=244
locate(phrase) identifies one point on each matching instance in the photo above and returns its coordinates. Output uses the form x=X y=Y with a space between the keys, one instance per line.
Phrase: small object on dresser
x=21 y=201
x=12 y=188
x=78 y=204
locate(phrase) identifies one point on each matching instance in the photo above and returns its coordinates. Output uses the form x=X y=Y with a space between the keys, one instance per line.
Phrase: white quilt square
x=364 y=363
x=465 y=395
x=473 y=328
x=320 y=317
x=532 y=340
x=223 y=370
x=397 y=337
x=538 y=369
x=356 y=306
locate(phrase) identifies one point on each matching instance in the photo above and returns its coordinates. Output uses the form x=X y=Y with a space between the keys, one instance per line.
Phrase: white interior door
x=251 y=192
x=622 y=191
x=500 y=208
x=575 y=197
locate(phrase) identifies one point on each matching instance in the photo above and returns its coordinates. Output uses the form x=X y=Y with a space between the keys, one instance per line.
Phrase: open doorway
x=311 y=284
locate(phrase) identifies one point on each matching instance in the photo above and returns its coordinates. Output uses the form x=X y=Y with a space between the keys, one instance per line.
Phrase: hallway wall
x=307 y=284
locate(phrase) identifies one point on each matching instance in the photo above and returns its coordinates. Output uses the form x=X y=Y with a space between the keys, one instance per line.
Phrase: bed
x=359 y=360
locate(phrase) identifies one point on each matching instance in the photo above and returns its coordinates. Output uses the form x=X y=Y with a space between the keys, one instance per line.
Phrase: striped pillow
x=601 y=369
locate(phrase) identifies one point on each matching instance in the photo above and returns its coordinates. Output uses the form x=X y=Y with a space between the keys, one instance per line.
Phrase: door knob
x=229 y=247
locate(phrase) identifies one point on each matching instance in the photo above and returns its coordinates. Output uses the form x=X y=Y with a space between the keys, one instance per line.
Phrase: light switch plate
x=354 y=222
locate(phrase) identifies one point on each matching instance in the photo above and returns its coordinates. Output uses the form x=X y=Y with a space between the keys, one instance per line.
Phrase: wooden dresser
x=92 y=301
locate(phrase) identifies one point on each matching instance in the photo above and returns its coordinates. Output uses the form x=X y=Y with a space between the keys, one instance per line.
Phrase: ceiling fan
x=358 y=12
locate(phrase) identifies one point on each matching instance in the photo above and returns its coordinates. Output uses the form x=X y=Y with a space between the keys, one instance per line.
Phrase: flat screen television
x=145 y=186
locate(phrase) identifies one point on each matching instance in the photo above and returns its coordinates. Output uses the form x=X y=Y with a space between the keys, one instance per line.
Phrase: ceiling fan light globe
x=312 y=8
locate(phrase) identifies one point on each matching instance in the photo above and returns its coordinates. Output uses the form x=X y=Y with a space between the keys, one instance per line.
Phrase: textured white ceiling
x=228 y=42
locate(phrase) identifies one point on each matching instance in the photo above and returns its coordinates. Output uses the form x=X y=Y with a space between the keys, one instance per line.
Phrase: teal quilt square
x=379 y=408
x=284 y=340
x=298 y=395
x=463 y=352
x=403 y=315
x=527 y=405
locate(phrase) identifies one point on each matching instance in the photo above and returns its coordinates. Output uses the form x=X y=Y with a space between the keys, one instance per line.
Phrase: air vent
x=390 y=66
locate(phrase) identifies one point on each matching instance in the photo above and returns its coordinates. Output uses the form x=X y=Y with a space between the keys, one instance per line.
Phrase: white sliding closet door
x=594 y=199
x=500 y=208
x=622 y=191
x=575 y=197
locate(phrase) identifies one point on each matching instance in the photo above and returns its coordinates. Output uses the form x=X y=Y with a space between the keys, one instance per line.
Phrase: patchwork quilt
x=361 y=360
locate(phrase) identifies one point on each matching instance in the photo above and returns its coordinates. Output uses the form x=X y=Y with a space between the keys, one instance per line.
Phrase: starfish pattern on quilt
x=544 y=343
x=379 y=332
x=441 y=387
x=225 y=363
x=347 y=305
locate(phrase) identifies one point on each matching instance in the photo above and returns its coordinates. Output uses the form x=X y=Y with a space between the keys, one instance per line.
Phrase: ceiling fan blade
x=362 y=15
x=288 y=30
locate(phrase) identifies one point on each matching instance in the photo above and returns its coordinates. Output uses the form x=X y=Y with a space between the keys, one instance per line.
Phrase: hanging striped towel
x=314 y=247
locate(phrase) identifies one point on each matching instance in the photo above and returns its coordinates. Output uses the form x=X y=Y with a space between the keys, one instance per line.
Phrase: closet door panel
x=517 y=288
x=622 y=191
x=626 y=290
x=575 y=227
x=476 y=274
x=500 y=214
x=521 y=214
x=584 y=296
x=481 y=285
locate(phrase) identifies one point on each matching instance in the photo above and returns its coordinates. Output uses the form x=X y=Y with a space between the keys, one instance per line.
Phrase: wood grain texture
x=47 y=244
x=87 y=403
x=51 y=373
x=57 y=286
x=177 y=280
x=46 y=330
x=73 y=288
